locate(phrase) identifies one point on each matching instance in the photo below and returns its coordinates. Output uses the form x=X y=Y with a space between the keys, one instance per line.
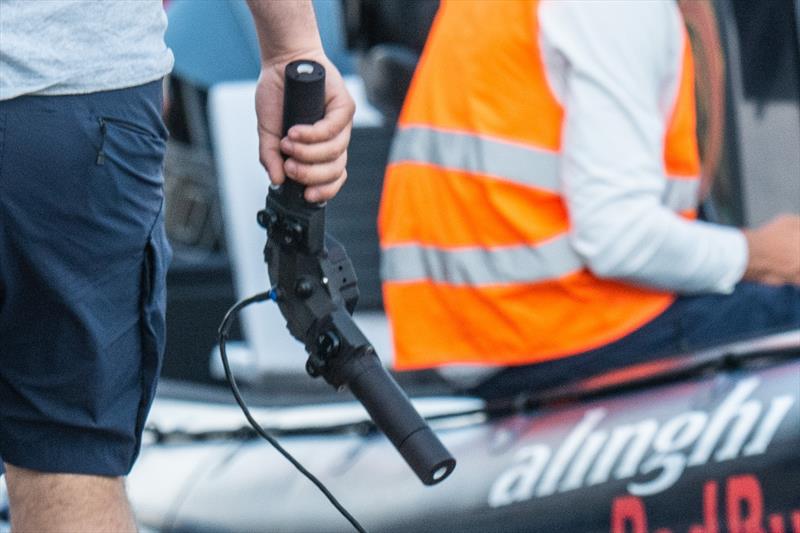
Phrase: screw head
x=304 y=288
x=267 y=219
x=327 y=344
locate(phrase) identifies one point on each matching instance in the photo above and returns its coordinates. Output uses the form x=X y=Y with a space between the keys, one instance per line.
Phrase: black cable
x=224 y=329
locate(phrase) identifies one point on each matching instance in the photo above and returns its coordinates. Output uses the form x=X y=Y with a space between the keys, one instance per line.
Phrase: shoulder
x=630 y=29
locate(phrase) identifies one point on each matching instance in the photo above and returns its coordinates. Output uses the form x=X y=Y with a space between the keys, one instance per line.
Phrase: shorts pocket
x=132 y=150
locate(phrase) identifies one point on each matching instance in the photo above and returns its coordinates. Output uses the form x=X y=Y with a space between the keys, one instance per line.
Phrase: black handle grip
x=303 y=94
x=392 y=412
x=303 y=103
x=296 y=230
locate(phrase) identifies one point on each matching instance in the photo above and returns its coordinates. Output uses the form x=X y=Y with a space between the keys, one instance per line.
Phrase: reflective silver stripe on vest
x=505 y=160
x=480 y=266
x=477 y=154
x=681 y=194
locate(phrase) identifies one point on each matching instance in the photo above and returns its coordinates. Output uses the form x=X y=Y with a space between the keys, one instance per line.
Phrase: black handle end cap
x=427 y=456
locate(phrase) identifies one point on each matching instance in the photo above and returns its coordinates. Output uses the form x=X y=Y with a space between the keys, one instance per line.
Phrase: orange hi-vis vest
x=476 y=259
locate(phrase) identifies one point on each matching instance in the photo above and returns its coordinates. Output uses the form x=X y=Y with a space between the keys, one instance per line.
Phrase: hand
x=774 y=251
x=316 y=153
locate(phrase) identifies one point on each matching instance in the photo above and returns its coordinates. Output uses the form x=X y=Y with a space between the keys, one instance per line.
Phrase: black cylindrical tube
x=303 y=103
x=392 y=412
x=303 y=94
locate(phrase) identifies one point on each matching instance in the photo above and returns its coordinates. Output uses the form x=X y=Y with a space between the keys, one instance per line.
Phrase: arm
x=317 y=154
x=615 y=59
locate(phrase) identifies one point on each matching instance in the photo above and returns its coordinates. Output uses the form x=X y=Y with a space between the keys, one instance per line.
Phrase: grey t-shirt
x=53 y=47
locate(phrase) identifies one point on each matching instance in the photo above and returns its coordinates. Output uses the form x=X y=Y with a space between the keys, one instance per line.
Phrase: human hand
x=316 y=153
x=774 y=251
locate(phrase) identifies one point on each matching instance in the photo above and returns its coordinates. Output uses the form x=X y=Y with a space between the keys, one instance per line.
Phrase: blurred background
x=747 y=86
x=747 y=57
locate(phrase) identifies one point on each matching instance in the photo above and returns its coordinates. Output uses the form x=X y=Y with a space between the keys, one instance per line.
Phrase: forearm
x=615 y=179
x=286 y=29
x=648 y=245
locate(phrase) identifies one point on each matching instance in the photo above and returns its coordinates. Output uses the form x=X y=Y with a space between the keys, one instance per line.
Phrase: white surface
x=162 y=474
x=366 y=115
x=243 y=187
x=615 y=66
x=192 y=416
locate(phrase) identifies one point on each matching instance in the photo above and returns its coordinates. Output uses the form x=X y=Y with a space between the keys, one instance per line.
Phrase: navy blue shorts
x=83 y=258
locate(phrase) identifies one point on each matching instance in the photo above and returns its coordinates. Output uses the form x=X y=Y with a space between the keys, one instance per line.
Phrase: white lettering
x=639 y=435
x=725 y=413
x=516 y=484
x=568 y=449
x=778 y=408
x=588 y=455
x=675 y=435
x=748 y=416
x=583 y=461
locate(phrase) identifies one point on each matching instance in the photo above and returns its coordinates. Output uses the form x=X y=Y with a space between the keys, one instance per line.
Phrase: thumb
x=271 y=158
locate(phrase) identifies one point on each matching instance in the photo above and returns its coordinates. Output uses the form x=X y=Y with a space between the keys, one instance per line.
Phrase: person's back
x=79 y=47
x=542 y=183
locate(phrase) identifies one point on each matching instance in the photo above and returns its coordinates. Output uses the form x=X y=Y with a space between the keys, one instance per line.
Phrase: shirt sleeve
x=615 y=67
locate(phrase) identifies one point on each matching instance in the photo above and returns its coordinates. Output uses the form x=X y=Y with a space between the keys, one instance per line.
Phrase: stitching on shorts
x=3 y=135
x=145 y=398
x=4 y=129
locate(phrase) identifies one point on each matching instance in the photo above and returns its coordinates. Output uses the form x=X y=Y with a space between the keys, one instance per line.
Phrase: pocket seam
x=132 y=128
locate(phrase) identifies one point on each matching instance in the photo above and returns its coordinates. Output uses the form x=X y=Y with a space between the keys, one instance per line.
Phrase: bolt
x=303 y=288
x=327 y=344
x=296 y=230
x=267 y=219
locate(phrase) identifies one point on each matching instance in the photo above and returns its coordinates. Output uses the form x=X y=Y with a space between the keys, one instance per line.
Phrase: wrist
x=281 y=56
x=286 y=30
x=756 y=265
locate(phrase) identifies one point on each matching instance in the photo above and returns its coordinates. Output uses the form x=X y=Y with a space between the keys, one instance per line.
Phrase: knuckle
x=337 y=149
x=330 y=131
x=301 y=152
x=309 y=173
x=340 y=164
x=342 y=142
x=321 y=153
x=299 y=172
x=333 y=188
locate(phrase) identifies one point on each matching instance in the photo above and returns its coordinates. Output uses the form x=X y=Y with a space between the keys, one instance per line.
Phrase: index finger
x=335 y=121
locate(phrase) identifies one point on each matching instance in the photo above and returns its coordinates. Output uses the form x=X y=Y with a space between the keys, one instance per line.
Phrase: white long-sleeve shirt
x=616 y=67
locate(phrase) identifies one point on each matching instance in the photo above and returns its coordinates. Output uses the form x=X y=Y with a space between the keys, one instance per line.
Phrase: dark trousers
x=690 y=324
